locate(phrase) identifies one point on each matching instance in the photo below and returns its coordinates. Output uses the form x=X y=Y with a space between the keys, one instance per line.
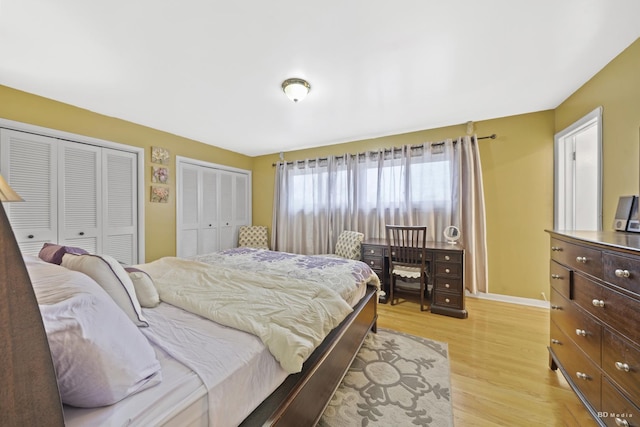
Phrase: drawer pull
x=622 y=366
x=556 y=276
x=555 y=341
x=372 y=263
x=447 y=257
x=622 y=423
x=555 y=307
x=372 y=251
x=582 y=259
x=597 y=303
x=447 y=300
x=622 y=273
x=583 y=376
x=446 y=270
x=581 y=332
x=556 y=249
x=446 y=285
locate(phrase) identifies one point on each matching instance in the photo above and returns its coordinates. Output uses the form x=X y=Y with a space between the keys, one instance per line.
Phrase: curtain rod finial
x=470 y=127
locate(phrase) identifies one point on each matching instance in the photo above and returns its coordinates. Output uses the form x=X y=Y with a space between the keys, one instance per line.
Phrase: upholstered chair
x=349 y=245
x=253 y=236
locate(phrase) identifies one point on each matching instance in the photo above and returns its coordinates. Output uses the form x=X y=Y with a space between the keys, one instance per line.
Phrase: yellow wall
x=517 y=167
x=517 y=170
x=160 y=218
x=617 y=89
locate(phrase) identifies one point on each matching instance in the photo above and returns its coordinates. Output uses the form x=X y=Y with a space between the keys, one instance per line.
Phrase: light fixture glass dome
x=296 y=89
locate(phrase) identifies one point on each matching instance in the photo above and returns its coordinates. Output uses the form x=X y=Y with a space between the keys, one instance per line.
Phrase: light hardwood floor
x=500 y=372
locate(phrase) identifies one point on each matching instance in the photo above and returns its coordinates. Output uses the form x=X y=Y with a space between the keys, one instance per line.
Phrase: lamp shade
x=7 y=194
x=296 y=89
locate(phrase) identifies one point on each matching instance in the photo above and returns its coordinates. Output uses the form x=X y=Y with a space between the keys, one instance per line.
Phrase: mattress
x=205 y=368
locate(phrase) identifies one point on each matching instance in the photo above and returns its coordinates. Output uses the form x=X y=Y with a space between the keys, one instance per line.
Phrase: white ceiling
x=211 y=70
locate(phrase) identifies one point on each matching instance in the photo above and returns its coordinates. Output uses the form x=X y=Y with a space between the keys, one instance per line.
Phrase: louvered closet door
x=28 y=162
x=209 y=227
x=80 y=196
x=120 y=215
x=189 y=211
x=228 y=234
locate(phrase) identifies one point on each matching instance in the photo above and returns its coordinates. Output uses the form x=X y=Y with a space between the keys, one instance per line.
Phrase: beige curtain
x=435 y=184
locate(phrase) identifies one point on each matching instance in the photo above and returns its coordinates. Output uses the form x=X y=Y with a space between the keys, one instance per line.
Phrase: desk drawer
x=455 y=257
x=448 y=284
x=577 y=257
x=448 y=300
x=448 y=269
x=374 y=251
x=376 y=264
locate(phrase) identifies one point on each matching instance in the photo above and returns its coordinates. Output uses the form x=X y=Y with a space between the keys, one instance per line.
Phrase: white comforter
x=289 y=316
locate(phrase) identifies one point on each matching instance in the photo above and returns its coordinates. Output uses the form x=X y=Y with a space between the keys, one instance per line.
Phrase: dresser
x=595 y=320
x=445 y=266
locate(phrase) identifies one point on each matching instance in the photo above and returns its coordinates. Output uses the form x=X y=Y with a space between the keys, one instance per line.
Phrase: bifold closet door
x=80 y=196
x=29 y=164
x=120 y=205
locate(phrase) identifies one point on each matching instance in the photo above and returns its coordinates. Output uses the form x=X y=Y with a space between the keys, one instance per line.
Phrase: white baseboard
x=509 y=299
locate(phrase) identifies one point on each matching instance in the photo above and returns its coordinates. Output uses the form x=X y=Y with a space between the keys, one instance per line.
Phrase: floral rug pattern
x=396 y=380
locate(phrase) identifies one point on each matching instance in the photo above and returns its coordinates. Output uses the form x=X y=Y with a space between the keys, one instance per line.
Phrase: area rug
x=396 y=380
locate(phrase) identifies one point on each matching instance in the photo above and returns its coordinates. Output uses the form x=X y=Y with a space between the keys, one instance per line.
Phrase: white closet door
x=80 y=196
x=209 y=223
x=29 y=164
x=228 y=238
x=120 y=216
x=189 y=210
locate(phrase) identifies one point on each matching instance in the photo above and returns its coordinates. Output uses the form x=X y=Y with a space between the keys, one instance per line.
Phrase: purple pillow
x=53 y=253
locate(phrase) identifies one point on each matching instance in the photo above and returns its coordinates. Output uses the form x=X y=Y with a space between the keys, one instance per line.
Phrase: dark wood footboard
x=302 y=398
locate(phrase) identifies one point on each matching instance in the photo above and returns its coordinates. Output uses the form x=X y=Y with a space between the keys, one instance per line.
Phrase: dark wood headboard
x=29 y=393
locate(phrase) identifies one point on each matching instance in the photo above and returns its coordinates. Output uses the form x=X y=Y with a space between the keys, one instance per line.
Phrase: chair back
x=253 y=236
x=407 y=246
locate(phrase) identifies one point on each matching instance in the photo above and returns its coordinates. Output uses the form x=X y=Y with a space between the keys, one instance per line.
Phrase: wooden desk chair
x=407 y=257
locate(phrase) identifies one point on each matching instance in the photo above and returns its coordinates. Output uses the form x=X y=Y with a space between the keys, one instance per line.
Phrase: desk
x=445 y=265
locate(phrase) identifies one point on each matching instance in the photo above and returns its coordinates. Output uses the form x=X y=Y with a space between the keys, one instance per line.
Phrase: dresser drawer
x=455 y=257
x=448 y=269
x=580 y=371
x=621 y=361
x=577 y=257
x=617 y=409
x=577 y=324
x=453 y=284
x=560 y=279
x=613 y=308
x=448 y=300
x=622 y=271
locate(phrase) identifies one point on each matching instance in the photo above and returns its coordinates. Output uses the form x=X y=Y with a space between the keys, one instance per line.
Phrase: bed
x=201 y=372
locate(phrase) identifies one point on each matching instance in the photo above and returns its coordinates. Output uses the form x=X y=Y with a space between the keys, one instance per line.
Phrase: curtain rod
x=492 y=136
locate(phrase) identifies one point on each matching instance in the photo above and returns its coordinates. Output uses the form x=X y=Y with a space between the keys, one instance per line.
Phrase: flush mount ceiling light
x=296 y=89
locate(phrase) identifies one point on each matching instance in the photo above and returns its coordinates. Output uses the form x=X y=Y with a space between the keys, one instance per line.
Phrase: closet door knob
x=81 y=233
x=30 y=236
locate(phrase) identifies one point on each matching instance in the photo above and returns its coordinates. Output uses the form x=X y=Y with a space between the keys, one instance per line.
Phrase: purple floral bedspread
x=344 y=276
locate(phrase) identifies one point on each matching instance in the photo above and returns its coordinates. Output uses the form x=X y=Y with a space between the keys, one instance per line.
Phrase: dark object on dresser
x=595 y=319
x=445 y=264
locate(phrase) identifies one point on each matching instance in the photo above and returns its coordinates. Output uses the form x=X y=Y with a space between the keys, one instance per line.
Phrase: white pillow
x=109 y=274
x=145 y=289
x=99 y=356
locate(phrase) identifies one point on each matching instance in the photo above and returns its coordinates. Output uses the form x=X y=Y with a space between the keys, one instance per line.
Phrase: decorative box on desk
x=595 y=321
x=445 y=263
